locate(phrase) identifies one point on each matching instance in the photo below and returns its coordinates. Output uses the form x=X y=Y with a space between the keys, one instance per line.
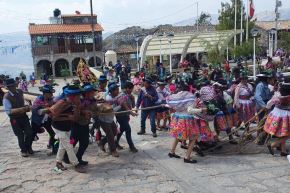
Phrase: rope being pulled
x=132 y=110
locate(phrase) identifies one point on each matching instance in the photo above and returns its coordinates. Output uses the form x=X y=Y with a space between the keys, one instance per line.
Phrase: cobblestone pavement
x=149 y=170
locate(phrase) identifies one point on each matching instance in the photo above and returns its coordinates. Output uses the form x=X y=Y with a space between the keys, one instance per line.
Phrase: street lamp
x=137 y=55
x=254 y=33
x=170 y=37
x=272 y=32
x=160 y=35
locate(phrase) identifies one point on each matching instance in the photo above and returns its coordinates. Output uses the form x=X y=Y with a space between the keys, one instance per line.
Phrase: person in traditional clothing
x=243 y=100
x=106 y=122
x=137 y=82
x=277 y=123
x=64 y=114
x=262 y=92
x=162 y=113
x=111 y=76
x=23 y=84
x=147 y=98
x=39 y=120
x=123 y=76
x=183 y=125
x=224 y=119
x=123 y=102
x=13 y=102
x=80 y=131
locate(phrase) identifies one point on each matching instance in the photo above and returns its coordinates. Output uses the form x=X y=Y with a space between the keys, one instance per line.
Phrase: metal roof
x=186 y=43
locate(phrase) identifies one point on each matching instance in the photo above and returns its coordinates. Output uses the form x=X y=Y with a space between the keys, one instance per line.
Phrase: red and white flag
x=252 y=9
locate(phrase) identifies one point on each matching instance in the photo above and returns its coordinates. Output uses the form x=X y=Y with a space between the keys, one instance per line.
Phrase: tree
x=227 y=15
x=284 y=40
x=214 y=55
x=204 y=18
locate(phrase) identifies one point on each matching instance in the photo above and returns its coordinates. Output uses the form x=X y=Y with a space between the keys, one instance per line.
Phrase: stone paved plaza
x=149 y=170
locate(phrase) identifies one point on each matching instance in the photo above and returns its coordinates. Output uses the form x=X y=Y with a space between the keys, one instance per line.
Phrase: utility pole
x=93 y=33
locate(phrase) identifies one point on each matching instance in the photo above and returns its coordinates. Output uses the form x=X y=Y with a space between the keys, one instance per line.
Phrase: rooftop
x=77 y=15
x=267 y=25
x=38 y=29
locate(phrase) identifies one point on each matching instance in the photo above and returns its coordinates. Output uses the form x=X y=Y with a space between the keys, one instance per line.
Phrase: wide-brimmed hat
x=148 y=80
x=72 y=90
x=88 y=87
x=112 y=86
x=265 y=75
x=10 y=82
x=161 y=83
x=169 y=77
x=103 y=78
x=47 y=89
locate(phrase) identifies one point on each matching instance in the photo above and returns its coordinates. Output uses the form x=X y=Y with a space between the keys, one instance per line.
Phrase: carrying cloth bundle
x=180 y=101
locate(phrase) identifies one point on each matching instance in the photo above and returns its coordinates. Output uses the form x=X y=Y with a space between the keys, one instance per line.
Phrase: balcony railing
x=46 y=50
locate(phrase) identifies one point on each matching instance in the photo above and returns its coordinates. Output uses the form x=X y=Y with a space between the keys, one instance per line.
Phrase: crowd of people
x=183 y=104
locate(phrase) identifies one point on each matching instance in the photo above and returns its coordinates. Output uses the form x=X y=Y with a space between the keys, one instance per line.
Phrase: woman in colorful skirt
x=278 y=121
x=243 y=100
x=183 y=125
x=224 y=119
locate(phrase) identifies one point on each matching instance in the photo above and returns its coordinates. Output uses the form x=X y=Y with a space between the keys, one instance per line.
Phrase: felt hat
x=161 y=83
x=88 y=87
x=112 y=86
x=47 y=89
x=148 y=80
x=72 y=90
x=10 y=82
x=103 y=78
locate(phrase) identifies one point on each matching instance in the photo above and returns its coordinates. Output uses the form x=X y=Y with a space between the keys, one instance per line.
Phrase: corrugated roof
x=36 y=29
x=267 y=25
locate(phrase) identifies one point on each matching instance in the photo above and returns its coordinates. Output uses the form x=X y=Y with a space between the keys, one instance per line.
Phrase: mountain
x=270 y=15
x=191 y=21
x=15 y=53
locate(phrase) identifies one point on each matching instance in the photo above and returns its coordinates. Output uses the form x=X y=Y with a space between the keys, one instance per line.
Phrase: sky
x=15 y=15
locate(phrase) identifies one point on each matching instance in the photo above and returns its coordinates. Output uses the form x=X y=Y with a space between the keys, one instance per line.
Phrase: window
x=42 y=40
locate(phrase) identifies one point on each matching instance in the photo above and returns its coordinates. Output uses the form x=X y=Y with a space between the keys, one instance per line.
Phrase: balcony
x=47 y=50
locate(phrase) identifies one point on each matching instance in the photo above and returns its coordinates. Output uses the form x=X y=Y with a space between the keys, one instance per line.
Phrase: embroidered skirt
x=184 y=126
x=278 y=123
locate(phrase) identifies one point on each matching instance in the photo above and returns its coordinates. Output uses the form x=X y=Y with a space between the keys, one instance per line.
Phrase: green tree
x=284 y=41
x=214 y=55
x=227 y=15
x=204 y=18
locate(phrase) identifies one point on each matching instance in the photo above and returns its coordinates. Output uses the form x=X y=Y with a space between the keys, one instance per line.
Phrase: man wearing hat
x=65 y=113
x=123 y=102
x=15 y=108
x=162 y=112
x=107 y=123
x=147 y=98
x=262 y=92
x=80 y=131
x=40 y=120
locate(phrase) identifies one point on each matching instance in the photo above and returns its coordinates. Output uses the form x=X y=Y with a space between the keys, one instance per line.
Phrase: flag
x=252 y=8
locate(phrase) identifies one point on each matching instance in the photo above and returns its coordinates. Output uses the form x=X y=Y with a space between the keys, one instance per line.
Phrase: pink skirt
x=278 y=123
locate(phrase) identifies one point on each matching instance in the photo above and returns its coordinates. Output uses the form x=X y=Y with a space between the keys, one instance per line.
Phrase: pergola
x=185 y=43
